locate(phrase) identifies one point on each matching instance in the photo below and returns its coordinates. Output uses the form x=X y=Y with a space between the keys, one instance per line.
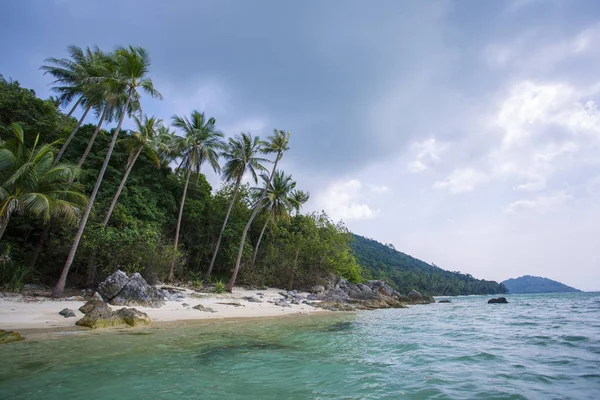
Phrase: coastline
x=36 y=315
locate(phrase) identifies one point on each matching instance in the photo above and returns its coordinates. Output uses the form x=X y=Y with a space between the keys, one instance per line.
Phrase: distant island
x=536 y=284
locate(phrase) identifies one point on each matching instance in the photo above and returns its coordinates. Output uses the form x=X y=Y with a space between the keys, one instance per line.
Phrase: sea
x=543 y=346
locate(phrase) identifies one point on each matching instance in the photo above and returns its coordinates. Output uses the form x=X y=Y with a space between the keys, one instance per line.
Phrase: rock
x=92 y=304
x=67 y=313
x=133 y=317
x=380 y=287
x=260 y=294
x=232 y=303
x=414 y=294
x=281 y=303
x=200 y=307
x=499 y=300
x=444 y=301
x=252 y=299
x=74 y=298
x=9 y=336
x=185 y=305
x=284 y=294
x=317 y=289
x=137 y=292
x=113 y=285
x=96 y=296
x=172 y=294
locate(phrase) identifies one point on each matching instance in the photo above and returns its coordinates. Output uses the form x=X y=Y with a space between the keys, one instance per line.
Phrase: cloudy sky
x=466 y=133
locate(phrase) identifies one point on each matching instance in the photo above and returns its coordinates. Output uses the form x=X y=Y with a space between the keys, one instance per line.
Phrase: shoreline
x=36 y=315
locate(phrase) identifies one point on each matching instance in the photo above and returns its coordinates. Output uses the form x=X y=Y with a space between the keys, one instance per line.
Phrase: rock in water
x=133 y=317
x=67 y=313
x=9 y=336
x=499 y=300
x=444 y=301
x=120 y=290
x=112 y=286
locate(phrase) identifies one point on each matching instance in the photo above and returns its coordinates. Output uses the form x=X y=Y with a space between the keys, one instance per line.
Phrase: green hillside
x=536 y=284
x=406 y=273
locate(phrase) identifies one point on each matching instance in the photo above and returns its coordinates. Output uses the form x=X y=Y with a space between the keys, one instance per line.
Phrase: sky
x=466 y=133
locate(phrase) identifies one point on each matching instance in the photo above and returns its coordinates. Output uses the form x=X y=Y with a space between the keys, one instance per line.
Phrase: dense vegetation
x=137 y=200
x=406 y=273
x=536 y=284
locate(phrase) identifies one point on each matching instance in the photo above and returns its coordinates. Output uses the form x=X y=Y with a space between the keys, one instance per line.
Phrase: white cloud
x=427 y=152
x=345 y=200
x=462 y=180
x=540 y=204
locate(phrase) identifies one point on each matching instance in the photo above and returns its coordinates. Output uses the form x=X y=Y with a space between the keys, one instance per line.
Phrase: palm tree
x=298 y=199
x=277 y=203
x=241 y=158
x=75 y=77
x=32 y=182
x=201 y=143
x=278 y=143
x=126 y=73
x=147 y=138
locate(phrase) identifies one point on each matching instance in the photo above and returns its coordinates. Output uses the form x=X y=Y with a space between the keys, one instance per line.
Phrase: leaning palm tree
x=278 y=143
x=277 y=203
x=74 y=78
x=241 y=157
x=202 y=143
x=126 y=73
x=144 y=138
x=31 y=182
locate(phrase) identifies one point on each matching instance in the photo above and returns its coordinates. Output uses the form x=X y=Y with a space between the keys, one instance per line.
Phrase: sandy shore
x=18 y=312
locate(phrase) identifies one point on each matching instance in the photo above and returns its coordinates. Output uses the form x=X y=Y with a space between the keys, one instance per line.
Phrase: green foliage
x=219 y=287
x=13 y=276
x=406 y=273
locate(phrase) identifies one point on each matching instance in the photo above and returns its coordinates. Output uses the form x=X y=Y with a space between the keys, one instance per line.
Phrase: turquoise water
x=536 y=347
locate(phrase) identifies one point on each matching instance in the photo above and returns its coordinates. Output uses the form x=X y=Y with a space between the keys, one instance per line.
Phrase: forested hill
x=407 y=273
x=536 y=284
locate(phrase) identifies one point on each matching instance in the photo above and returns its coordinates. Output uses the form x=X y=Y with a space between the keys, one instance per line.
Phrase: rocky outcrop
x=99 y=315
x=9 y=336
x=120 y=290
x=499 y=300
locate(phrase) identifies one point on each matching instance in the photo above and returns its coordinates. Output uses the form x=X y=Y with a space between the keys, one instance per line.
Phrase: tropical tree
x=74 y=78
x=277 y=203
x=126 y=73
x=202 y=143
x=241 y=157
x=32 y=183
x=145 y=138
x=278 y=144
x=298 y=198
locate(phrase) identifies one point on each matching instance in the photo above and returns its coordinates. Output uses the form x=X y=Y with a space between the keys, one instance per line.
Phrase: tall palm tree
x=277 y=203
x=126 y=73
x=202 y=143
x=74 y=77
x=298 y=199
x=241 y=158
x=145 y=138
x=31 y=182
x=278 y=143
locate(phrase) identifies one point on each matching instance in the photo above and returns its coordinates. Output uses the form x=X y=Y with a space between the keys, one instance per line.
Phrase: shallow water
x=535 y=347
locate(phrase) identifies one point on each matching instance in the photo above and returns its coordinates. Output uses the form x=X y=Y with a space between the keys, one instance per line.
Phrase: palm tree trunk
x=187 y=181
x=40 y=245
x=66 y=117
x=214 y=257
x=92 y=139
x=3 y=225
x=64 y=147
x=291 y=281
x=259 y=239
x=60 y=285
x=236 y=269
x=121 y=185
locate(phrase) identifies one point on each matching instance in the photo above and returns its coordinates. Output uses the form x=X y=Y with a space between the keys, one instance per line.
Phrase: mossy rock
x=10 y=336
x=133 y=317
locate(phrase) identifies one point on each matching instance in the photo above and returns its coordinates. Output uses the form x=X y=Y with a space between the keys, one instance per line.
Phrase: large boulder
x=499 y=300
x=99 y=315
x=9 y=336
x=120 y=290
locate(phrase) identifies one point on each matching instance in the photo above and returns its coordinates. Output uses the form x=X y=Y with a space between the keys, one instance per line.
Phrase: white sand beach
x=19 y=312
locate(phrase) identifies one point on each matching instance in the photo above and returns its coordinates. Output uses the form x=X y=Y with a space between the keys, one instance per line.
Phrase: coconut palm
x=31 y=182
x=278 y=143
x=241 y=158
x=126 y=73
x=145 y=138
x=298 y=198
x=202 y=143
x=277 y=203
x=73 y=77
